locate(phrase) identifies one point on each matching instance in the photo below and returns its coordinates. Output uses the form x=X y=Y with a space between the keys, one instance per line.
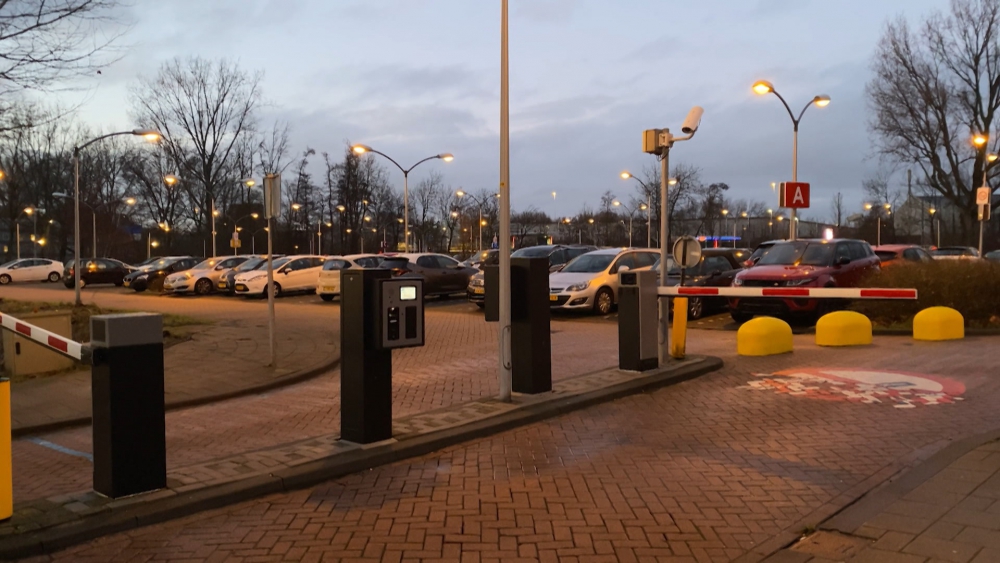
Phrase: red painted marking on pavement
x=58 y=344
x=890 y=293
x=698 y=290
x=785 y=292
x=22 y=328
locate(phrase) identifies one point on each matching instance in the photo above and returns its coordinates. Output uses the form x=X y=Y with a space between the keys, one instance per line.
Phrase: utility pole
x=505 y=313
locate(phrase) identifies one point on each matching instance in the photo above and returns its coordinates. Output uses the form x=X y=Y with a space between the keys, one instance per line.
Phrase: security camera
x=692 y=120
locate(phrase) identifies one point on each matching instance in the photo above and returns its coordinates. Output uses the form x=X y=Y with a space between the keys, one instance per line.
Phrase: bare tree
x=933 y=88
x=837 y=209
x=204 y=110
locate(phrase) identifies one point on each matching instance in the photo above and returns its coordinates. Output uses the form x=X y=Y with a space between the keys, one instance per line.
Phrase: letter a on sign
x=794 y=195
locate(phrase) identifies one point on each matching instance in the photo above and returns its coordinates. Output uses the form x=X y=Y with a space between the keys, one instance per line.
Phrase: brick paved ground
x=456 y=365
x=702 y=471
x=953 y=516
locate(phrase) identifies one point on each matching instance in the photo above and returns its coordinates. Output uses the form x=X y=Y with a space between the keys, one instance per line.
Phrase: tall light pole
x=447 y=157
x=878 y=214
x=981 y=140
x=29 y=211
x=725 y=221
x=763 y=87
x=649 y=206
x=936 y=221
x=151 y=136
x=631 y=214
x=504 y=238
x=479 y=204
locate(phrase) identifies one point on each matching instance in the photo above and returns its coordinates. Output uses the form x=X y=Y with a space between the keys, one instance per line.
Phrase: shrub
x=972 y=287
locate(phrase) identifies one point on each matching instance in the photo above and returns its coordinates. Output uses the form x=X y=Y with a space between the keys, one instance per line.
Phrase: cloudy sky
x=418 y=77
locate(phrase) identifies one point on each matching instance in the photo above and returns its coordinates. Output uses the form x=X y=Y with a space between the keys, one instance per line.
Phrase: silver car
x=202 y=278
x=590 y=281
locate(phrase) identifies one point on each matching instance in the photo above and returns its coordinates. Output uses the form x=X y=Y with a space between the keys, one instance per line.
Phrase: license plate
x=127 y=283
x=329 y=289
x=241 y=287
x=167 y=286
x=553 y=297
x=222 y=285
x=478 y=290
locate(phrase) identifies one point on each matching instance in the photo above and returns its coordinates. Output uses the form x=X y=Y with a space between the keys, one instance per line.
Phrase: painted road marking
x=62 y=449
x=902 y=390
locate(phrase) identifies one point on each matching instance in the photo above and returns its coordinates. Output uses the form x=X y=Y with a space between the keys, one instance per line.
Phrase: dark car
x=557 y=254
x=483 y=258
x=97 y=270
x=151 y=275
x=227 y=283
x=759 y=251
x=717 y=268
x=895 y=254
x=442 y=275
x=147 y=261
x=802 y=263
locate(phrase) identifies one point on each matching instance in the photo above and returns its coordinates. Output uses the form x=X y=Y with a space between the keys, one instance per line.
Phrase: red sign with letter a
x=794 y=195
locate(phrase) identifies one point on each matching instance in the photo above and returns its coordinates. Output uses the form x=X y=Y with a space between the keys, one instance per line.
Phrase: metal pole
x=939 y=233
x=76 y=226
x=505 y=320
x=664 y=304
x=17 y=238
x=981 y=238
x=406 y=215
x=34 y=234
x=878 y=236
x=630 y=231
x=149 y=245
x=795 y=178
x=649 y=221
x=480 y=228
x=270 y=296
x=213 y=227
x=95 y=231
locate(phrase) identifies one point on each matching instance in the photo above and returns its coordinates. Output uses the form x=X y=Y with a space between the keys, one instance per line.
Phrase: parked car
x=590 y=281
x=147 y=261
x=97 y=271
x=759 y=251
x=717 y=268
x=802 y=263
x=151 y=275
x=894 y=254
x=490 y=257
x=557 y=254
x=291 y=274
x=442 y=275
x=227 y=281
x=30 y=270
x=955 y=253
x=201 y=278
x=993 y=256
x=328 y=285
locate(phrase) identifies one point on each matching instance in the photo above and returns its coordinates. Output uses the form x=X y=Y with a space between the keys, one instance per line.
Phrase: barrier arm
x=791 y=292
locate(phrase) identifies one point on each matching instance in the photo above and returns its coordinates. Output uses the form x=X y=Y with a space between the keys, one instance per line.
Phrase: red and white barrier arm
x=48 y=339
x=790 y=292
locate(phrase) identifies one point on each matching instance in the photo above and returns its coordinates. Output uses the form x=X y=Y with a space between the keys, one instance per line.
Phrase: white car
x=590 y=281
x=291 y=274
x=328 y=285
x=202 y=278
x=29 y=270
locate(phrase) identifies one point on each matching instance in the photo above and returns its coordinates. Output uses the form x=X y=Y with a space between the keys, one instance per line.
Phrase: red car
x=802 y=263
x=893 y=254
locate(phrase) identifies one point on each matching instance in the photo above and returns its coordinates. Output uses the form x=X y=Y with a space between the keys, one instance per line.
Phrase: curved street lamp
x=649 y=204
x=631 y=214
x=479 y=204
x=445 y=156
x=150 y=135
x=763 y=87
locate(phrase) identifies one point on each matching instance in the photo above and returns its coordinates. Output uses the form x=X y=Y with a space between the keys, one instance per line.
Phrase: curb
x=166 y=505
x=290 y=379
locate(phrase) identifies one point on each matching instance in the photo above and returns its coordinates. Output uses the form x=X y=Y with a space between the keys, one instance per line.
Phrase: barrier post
x=637 y=321
x=678 y=344
x=130 y=452
x=6 y=473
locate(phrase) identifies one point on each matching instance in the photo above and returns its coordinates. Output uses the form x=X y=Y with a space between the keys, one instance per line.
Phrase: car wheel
x=326 y=297
x=740 y=317
x=604 y=301
x=54 y=277
x=4 y=279
x=277 y=290
x=696 y=308
x=203 y=286
x=69 y=285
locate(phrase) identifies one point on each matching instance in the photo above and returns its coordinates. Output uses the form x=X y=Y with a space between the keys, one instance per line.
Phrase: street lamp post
x=937 y=222
x=725 y=221
x=764 y=87
x=746 y=216
x=878 y=215
x=631 y=214
x=30 y=212
x=479 y=204
x=649 y=206
x=151 y=136
x=447 y=157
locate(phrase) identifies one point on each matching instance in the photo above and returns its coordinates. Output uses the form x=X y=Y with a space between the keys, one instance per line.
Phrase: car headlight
x=803 y=281
x=476 y=282
x=579 y=286
x=188 y=275
x=738 y=281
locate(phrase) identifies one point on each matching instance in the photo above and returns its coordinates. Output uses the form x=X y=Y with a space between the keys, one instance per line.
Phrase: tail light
x=399 y=271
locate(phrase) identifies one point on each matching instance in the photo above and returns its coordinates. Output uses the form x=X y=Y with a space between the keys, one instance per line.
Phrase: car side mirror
x=843 y=261
x=715 y=273
x=623 y=268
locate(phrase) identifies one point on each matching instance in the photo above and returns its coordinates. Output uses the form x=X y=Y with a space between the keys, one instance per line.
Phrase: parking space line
x=62 y=449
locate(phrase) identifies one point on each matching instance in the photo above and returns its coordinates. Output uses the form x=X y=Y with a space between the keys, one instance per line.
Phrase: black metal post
x=531 y=337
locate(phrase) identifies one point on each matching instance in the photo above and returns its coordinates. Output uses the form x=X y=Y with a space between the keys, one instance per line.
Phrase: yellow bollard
x=6 y=475
x=843 y=328
x=764 y=336
x=679 y=342
x=938 y=323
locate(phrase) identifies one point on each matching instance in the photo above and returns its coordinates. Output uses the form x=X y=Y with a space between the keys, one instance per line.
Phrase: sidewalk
x=947 y=509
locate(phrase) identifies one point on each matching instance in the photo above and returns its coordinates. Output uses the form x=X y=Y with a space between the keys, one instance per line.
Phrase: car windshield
x=952 y=252
x=207 y=264
x=159 y=264
x=798 y=254
x=589 y=263
x=250 y=264
x=885 y=255
x=533 y=252
x=8 y=264
x=279 y=262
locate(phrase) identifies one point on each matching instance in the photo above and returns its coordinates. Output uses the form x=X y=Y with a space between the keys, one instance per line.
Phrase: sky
x=413 y=78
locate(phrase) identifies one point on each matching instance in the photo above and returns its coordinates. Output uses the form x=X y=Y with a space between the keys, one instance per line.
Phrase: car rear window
x=335 y=265
x=885 y=255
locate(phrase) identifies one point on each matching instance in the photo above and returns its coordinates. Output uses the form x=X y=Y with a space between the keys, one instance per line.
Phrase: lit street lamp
x=447 y=157
x=130 y=201
x=148 y=134
x=887 y=207
x=763 y=87
x=649 y=205
x=631 y=214
x=479 y=204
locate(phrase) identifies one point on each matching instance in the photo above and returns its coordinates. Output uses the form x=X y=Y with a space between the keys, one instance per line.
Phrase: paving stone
x=941 y=549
